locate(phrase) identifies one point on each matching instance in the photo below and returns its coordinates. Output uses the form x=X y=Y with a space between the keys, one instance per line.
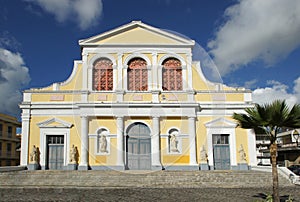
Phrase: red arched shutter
x=137 y=75
x=172 y=75
x=103 y=75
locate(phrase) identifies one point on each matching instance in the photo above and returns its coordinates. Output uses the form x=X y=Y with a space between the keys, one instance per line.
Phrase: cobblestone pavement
x=143 y=194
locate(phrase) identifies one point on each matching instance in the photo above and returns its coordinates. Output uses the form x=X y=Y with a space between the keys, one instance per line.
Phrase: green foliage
x=269 y=198
x=270 y=118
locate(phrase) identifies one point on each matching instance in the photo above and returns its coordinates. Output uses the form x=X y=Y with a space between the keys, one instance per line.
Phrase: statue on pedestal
x=73 y=155
x=242 y=154
x=173 y=143
x=203 y=155
x=35 y=155
x=103 y=144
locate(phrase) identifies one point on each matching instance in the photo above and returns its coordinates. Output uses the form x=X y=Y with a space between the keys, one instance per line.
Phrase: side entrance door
x=55 y=152
x=138 y=147
x=221 y=152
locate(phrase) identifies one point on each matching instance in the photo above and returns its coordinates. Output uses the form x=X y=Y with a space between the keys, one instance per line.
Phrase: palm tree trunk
x=273 y=152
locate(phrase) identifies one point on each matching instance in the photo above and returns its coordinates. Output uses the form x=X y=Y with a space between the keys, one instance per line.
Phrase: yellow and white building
x=136 y=100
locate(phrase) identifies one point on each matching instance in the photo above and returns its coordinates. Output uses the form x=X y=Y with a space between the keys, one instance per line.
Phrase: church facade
x=137 y=101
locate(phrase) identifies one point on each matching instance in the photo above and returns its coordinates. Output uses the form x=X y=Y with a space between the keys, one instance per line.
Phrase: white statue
x=73 y=155
x=34 y=155
x=203 y=154
x=173 y=143
x=242 y=154
x=103 y=144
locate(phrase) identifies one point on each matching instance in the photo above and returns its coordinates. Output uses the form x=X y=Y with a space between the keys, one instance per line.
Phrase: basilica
x=136 y=100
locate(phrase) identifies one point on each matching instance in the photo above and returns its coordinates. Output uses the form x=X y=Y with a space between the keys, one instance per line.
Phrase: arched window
x=137 y=75
x=102 y=75
x=172 y=75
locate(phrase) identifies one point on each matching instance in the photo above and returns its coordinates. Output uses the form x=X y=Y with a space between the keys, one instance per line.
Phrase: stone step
x=139 y=179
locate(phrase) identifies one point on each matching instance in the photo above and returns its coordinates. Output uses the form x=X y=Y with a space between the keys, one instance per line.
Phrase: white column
x=155 y=143
x=192 y=137
x=120 y=144
x=84 y=144
x=25 y=139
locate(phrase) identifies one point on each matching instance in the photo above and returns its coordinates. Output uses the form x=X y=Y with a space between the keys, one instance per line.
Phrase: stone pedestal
x=204 y=166
x=243 y=166
x=33 y=166
x=156 y=167
x=72 y=166
x=81 y=167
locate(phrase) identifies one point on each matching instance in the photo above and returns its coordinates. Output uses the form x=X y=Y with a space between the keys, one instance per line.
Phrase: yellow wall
x=34 y=137
x=138 y=36
x=241 y=138
x=66 y=97
x=76 y=82
x=146 y=97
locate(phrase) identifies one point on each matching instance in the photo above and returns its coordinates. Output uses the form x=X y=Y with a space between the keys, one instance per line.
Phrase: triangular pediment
x=137 y=33
x=221 y=123
x=54 y=123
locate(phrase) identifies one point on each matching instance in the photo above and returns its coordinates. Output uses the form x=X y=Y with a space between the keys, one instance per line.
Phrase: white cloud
x=13 y=76
x=266 y=30
x=84 y=12
x=277 y=91
x=250 y=84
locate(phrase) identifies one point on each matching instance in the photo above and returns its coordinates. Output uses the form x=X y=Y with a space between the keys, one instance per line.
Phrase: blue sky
x=254 y=43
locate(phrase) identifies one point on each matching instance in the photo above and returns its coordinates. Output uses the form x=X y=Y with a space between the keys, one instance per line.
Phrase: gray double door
x=55 y=152
x=138 y=147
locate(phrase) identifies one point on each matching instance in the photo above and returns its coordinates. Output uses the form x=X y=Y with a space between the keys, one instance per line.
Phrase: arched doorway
x=138 y=147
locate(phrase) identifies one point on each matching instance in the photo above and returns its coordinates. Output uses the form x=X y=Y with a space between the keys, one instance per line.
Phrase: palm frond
x=270 y=118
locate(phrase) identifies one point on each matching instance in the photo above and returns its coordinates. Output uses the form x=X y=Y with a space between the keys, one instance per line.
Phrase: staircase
x=141 y=179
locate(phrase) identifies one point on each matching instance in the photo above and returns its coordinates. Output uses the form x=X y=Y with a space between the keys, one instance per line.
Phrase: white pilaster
x=120 y=69
x=159 y=75
x=251 y=147
x=149 y=72
x=192 y=137
x=155 y=142
x=115 y=81
x=85 y=71
x=125 y=67
x=84 y=144
x=120 y=142
x=154 y=72
x=25 y=138
x=184 y=78
x=155 y=96
x=189 y=71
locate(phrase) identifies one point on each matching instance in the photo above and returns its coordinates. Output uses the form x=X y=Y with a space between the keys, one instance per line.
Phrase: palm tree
x=270 y=119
